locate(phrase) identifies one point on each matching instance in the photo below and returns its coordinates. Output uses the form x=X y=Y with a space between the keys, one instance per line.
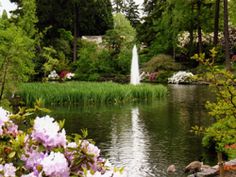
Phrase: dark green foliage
x=93 y=62
x=118 y=6
x=165 y=20
x=95 y=17
x=161 y=62
x=16 y=53
x=160 y=68
x=132 y=12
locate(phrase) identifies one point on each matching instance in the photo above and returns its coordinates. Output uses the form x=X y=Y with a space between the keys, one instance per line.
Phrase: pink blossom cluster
x=6 y=125
x=48 y=152
x=46 y=131
x=66 y=75
x=7 y=170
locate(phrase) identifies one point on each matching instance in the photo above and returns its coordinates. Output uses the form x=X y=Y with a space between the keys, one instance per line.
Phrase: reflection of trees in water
x=190 y=101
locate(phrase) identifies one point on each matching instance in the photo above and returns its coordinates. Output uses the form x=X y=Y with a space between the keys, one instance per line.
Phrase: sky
x=5 y=4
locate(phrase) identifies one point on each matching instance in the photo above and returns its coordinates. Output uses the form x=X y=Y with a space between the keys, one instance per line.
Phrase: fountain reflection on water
x=129 y=145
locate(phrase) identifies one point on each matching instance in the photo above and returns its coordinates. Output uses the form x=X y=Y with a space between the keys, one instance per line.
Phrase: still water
x=146 y=138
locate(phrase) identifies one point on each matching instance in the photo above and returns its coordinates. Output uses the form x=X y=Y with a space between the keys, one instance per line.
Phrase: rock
x=193 y=167
x=171 y=169
x=207 y=171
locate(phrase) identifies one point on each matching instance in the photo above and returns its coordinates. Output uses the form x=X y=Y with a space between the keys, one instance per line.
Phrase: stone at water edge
x=171 y=169
x=207 y=171
x=194 y=166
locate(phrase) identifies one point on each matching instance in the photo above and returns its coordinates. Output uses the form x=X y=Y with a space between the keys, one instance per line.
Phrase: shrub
x=181 y=77
x=45 y=150
x=161 y=62
x=92 y=60
x=222 y=133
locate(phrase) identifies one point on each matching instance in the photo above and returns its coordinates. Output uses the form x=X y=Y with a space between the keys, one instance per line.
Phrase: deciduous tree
x=16 y=53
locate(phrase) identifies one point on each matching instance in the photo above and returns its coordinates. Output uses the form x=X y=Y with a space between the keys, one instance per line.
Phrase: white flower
x=8 y=170
x=72 y=145
x=180 y=77
x=4 y=116
x=53 y=75
x=46 y=131
x=55 y=165
x=29 y=175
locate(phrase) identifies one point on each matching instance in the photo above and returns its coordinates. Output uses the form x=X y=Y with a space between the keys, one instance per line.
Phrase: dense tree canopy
x=17 y=48
x=176 y=27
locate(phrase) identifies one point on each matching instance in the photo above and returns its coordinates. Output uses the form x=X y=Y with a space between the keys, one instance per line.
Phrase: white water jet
x=134 y=78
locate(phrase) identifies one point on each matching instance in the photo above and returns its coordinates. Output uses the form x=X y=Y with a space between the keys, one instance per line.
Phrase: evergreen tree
x=165 y=20
x=153 y=10
x=226 y=36
x=132 y=12
x=118 y=6
x=216 y=23
x=95 y=17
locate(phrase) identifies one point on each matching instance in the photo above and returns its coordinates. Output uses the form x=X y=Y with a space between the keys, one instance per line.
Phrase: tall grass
x=88 y=92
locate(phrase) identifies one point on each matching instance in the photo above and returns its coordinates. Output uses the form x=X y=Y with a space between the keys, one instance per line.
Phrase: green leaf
x=12 y=154
x=61 y=123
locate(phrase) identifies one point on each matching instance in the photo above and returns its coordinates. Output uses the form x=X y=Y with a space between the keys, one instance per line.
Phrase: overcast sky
x=5 y=4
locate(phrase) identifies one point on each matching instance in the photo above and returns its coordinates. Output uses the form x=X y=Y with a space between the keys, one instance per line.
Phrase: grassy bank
x=88 y=92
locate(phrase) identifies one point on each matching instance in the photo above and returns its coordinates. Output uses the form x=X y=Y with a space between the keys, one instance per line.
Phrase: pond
x=146 y=138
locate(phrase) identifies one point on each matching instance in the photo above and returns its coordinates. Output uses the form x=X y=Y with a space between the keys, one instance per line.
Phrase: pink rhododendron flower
x=30 y=175
x=72 y=145
x=38 y=156
x=32 y=159
x=8 y=170
x=55 y=165
x=3 y=118
x=70 y=151
x=46 y=131
x=90 y=149
x=4 y=115
x=11 y=129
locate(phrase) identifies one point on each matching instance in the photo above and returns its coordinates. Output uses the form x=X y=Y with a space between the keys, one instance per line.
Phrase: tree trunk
x=75 y=32
x=226 y=37
x=191 y=37
x=221 y=163
x=199 y=29
x=216 y=25
x=3 y=81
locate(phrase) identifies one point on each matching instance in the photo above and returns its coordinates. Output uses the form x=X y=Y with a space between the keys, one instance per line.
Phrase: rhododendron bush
x=44 y=149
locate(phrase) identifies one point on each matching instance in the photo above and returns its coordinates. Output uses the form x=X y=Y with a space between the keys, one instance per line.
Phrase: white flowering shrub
x=181 y=77
x=53 y=75
x=45 y=150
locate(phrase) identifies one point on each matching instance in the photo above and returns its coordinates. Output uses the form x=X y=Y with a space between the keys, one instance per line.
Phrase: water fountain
x=134 y=78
